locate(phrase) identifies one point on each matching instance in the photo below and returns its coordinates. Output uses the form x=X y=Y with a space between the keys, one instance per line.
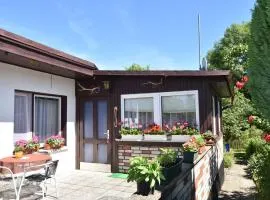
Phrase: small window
x=47 y=116
x=38 y=115
x=138 y=112
x=179 y=108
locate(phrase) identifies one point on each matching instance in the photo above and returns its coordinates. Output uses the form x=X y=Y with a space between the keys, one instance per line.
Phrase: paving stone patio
x=83 y=185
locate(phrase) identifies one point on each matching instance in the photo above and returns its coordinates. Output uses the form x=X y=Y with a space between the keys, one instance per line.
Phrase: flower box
x=190 y=157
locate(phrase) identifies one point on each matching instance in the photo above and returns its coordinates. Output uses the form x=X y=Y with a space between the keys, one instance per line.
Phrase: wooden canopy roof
x=20 y=51
x=219 y=79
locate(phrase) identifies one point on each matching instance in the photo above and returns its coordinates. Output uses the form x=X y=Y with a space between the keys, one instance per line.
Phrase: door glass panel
x=102 y=153
x=88 y=153
x=102 y=118
x=88 y=119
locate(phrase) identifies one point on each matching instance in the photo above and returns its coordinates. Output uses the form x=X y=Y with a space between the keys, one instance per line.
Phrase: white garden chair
x=8 y=184
x=44 y=176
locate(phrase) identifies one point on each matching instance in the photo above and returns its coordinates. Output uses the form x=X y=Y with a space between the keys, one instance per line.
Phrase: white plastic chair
x=47 y=173
x=7 y=181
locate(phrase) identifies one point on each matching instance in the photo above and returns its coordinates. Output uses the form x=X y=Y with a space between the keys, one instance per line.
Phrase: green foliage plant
x=130 y=131
x=18 y=149
x=254 y=146
x=228 y=159
x=144 y=170
x=168 y=157
x=259 y=164
x=200 y=140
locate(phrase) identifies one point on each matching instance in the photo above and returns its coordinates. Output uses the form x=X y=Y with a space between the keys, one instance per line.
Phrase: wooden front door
x=95 y=147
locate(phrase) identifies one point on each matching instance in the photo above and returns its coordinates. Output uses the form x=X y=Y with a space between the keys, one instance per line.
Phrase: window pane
x=22 y=116
x=178 y=108
x=88 y=119
x=138 y=112
x=102 y=119
x=102 y=153
x=46 y=117
x=88 y=152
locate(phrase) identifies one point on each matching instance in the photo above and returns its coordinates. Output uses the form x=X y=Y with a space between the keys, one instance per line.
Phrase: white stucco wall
x=16 y=78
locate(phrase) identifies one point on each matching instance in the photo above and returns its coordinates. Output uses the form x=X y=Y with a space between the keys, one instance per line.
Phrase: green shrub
x=254 y=145
x=228 y=159
x=259 y=165
x=168 y=157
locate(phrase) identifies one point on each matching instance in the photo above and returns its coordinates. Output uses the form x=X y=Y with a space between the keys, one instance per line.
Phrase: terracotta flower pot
x=47 y=147
x=19 y=154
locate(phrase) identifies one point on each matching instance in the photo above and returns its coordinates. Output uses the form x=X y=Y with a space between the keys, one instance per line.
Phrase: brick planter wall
x=126 y=152
x=198 y=181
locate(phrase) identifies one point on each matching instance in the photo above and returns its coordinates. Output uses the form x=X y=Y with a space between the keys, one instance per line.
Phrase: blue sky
x=115 y=34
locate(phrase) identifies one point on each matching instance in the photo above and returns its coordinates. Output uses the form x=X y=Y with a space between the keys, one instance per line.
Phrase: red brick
x=126 y=164
x=146 y=152
x=127 y=147
x=120 y=147
x=126 y=154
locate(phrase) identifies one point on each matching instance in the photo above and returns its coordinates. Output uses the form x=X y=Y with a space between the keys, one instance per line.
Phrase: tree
x=137 y=67
x=230 y=52
x=234 y=118
x=259 y=57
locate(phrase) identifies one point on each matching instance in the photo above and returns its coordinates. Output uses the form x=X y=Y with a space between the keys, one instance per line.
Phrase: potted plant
x=18 y=151
x=54 y=142
x=32 y=145
x=146 y=173
x=190 y=150
x=209 y=138
x=170 y=163
x=201 y=143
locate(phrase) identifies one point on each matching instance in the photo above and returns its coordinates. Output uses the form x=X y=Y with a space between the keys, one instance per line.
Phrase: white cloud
x=83 y=28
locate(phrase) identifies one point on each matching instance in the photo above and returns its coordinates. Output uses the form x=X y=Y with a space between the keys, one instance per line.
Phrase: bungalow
x=47 y=92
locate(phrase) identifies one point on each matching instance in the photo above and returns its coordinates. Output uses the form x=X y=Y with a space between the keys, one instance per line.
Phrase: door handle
x=108 y=135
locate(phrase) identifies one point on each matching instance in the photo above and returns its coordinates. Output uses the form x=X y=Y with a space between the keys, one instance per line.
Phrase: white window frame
x=157 y=103
x=59 y=111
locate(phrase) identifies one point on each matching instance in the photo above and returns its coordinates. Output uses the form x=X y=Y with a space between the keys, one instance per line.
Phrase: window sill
x=54 y=151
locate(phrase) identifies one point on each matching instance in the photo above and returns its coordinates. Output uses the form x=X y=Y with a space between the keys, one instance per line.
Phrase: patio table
x=17 y=164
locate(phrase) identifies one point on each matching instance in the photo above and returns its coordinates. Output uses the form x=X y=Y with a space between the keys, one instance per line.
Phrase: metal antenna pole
x=199 y=40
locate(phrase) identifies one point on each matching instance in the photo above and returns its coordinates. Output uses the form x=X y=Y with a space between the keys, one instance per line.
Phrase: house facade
x=47 y=92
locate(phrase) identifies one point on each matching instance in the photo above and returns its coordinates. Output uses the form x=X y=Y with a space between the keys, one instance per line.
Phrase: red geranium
x=240 y=85
x=267 y=138
x=251 y=119
x=244 y=79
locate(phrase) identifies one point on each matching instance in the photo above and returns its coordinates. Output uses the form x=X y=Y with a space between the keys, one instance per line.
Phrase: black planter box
x=143 y=188
x=171 y=172
x=189 y=157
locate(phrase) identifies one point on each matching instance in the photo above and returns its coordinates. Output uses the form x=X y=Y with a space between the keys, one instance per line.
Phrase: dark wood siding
x=133 y=85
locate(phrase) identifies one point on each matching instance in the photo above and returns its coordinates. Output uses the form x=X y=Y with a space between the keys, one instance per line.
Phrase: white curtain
x=138 y=112
x=46 y=117
x=22 y=116
x=178 y=108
